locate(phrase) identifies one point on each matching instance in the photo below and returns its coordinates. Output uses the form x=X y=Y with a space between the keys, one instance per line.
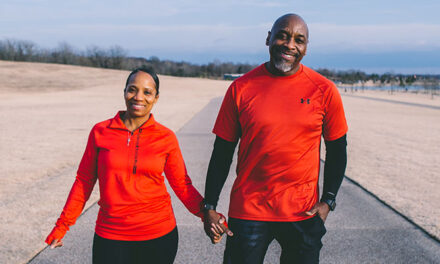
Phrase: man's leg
x=249 y=243
x=300 y=241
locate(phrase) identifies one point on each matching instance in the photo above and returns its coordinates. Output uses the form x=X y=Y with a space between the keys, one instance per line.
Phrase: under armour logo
x=302 y=101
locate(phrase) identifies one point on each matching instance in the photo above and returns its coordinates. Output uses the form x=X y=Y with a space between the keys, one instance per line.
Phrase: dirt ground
x=48 y=110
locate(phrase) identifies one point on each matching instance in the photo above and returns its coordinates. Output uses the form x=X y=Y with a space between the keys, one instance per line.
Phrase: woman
x=128 y=154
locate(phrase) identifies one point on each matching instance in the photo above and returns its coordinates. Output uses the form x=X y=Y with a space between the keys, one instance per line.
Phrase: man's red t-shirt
x=279 y=121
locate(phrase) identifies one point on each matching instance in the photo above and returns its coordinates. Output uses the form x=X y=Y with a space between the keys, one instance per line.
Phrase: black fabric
x=334 y=168
x=161 y=250
x=300 y=241
x=218 y=169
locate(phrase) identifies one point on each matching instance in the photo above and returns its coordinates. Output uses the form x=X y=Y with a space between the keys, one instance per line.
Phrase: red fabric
x=134 y=202
x=279 y=121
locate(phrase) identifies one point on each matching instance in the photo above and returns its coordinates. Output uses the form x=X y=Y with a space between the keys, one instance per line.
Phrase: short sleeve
x=227 y=125
x=334 y=123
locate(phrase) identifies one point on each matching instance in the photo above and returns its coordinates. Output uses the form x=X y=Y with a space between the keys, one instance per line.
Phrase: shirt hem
x=271 y=219
x=129 y=237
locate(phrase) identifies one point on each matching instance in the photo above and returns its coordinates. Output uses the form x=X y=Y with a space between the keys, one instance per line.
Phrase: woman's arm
x=79 y=194
x=180 y=182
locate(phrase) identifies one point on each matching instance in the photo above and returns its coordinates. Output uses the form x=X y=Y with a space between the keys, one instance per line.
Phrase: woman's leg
x=107 y=251
x=161 y=250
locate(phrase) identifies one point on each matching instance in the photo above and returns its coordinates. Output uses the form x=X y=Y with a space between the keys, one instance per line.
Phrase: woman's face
x=140 y=95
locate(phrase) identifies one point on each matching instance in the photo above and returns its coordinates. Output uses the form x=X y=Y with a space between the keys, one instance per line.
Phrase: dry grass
x=394 y=152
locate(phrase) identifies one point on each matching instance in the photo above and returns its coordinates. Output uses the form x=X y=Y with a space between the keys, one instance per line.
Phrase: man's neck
x=272 y=69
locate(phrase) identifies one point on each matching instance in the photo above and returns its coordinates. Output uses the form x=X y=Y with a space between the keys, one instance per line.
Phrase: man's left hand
x=320 y=208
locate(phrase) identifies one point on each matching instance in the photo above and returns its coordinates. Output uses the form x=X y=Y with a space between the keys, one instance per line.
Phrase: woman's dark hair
x=147 y=70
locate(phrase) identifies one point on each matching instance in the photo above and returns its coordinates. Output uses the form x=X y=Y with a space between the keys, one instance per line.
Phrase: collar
x=298 y=72
x=116 y=122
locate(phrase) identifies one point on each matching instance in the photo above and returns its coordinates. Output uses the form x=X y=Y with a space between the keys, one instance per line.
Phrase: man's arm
x=218 y=171
x=334 y=170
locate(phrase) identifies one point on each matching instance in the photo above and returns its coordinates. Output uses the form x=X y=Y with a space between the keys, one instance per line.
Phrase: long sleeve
x=334 y=168
x=180 y=182
x=80 y=192
x=218 y=169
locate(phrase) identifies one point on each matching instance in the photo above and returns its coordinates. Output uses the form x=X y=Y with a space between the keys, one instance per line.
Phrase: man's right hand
x=215 y=226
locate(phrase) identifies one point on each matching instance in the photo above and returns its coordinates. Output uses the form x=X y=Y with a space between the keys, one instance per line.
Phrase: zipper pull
x=129 y=138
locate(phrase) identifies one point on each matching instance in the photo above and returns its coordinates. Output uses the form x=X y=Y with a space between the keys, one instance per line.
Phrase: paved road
x=361 y=230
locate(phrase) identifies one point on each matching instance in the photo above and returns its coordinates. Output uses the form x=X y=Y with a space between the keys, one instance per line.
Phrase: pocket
x=321 y=223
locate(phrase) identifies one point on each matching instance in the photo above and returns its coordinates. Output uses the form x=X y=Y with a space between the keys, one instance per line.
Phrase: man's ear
x=268 y=38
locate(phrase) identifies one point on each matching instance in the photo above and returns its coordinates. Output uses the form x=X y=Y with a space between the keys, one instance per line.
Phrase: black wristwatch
x=330 y=199
x=207 y=206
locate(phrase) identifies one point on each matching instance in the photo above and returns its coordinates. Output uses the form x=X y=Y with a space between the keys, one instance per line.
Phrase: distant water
x=392 y=87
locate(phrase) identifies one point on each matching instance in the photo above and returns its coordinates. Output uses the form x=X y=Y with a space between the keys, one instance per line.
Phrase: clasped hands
x=215 y=226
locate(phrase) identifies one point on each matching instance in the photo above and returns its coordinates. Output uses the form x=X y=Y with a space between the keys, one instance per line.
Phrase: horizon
x=373 y=37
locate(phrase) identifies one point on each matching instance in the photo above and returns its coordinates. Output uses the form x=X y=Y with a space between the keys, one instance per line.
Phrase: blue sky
x=374 y=36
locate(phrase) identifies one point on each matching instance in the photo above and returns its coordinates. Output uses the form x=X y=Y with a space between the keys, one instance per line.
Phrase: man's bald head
x=289 y=18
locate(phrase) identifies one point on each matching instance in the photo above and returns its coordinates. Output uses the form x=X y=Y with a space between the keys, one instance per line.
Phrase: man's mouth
x=287 y=56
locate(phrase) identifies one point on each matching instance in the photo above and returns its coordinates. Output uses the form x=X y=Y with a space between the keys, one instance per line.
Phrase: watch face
x=332 y=204
x=209 y=207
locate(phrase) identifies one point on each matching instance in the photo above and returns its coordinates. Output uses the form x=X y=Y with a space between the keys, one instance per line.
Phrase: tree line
x=116 y=57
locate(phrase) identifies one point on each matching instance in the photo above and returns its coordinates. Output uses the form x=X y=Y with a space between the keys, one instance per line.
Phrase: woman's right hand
x=56 y=243
x=54 y=238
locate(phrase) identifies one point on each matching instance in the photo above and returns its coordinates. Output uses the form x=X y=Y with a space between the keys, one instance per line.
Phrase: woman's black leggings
x=161 y=250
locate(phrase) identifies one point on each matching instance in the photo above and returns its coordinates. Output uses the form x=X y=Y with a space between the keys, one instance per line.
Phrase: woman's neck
x=133 y=123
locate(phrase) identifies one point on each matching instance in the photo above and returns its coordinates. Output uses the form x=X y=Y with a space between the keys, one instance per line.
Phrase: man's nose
x=290 y=43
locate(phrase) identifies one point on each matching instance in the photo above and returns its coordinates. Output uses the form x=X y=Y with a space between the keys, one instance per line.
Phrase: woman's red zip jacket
x=134 y=202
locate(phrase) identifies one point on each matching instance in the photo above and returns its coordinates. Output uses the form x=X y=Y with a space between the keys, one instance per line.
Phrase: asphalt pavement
x=360 y=230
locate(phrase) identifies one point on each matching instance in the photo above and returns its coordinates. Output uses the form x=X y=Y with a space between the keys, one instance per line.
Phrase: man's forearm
x=334 y=168
x=218 y=169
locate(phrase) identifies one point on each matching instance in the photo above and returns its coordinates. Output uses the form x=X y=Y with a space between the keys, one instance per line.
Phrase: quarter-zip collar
x=117 y=123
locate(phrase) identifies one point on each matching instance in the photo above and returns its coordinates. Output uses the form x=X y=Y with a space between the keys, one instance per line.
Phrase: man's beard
x=282 y=66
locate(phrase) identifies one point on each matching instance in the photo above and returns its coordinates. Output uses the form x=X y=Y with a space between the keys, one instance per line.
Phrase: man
x=278 y=111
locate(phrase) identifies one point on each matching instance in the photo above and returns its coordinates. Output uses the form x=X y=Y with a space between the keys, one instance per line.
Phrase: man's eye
x=282 y=36
x=300 y=41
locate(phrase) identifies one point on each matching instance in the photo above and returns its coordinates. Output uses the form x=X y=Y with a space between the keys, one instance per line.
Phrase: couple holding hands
x=277 y=112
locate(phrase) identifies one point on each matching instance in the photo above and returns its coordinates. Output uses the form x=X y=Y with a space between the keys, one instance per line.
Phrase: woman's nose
x=139 y=95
